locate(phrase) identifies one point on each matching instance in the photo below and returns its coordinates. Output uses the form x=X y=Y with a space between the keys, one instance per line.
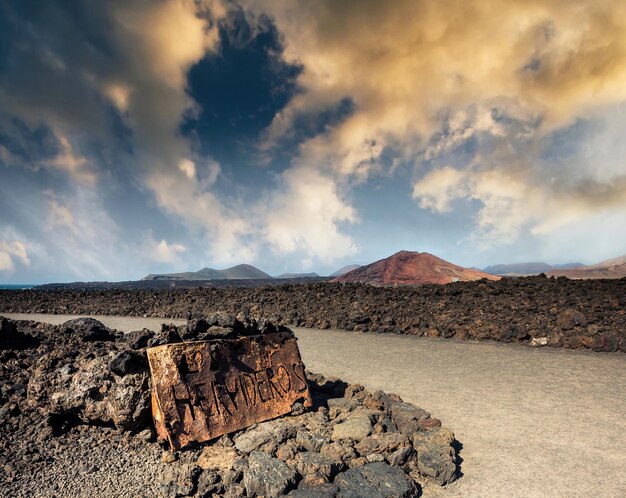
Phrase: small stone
x=287 y=451
x=375 y=457
x=208 y=483
x=310 y=441
x=355 y=428
x=217 y=457
x=406 y=416
x=89 y=329
x=216 y=332
x=168 y=457
x=297 y=409
x=400 y=456
x=339 y=450
x=345 y=404
x=537 y=342
x=429 y=423
x=315 y=463
x=387 y=442
x=138 y=339
x=274 y=431
x=438 y=464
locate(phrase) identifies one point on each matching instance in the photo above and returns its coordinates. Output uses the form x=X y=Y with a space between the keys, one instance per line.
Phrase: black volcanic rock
x=579 y=314
x=81 y=411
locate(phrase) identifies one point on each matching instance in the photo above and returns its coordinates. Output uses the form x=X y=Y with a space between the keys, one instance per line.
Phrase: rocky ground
x=535 y=310
x=75 y=421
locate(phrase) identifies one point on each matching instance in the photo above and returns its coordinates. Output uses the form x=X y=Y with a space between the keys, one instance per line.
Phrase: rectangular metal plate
x=201 y=390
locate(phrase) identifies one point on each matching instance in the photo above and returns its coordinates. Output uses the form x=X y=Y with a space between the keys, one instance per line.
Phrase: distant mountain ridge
x=610 y=268
x=298 y=275
x=343 y=270
x=521 y=269
x=239 y=272
x=411 y=268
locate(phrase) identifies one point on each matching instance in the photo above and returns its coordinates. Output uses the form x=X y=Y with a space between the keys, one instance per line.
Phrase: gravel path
x=540 y=422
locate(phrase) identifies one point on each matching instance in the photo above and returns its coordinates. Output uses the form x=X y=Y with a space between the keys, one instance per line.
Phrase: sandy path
x=532 y=423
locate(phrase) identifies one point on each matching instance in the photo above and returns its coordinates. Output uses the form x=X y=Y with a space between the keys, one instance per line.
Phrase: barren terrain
x=587 y=314
x=532 y=422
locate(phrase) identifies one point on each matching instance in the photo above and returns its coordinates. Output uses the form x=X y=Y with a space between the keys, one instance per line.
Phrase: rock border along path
x=533 y=422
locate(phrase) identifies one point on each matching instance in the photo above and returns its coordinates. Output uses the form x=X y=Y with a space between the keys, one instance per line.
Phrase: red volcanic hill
x=411 y=268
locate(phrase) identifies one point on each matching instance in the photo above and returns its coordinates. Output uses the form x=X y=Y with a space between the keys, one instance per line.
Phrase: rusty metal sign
x=204 y=389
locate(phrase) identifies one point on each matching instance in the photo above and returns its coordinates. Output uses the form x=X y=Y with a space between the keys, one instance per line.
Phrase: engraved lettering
x=182 y=399
x=284 y=384
x=301 y=376
x=270 y=375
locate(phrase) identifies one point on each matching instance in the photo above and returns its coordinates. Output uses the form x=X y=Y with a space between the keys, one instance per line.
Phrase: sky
x=145 y=136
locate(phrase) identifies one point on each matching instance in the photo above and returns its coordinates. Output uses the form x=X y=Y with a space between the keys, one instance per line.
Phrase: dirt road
x=533 y=422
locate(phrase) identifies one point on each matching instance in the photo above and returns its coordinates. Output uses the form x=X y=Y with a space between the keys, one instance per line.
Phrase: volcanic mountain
x=611 y=268
x=239 y=272
x=410 y=268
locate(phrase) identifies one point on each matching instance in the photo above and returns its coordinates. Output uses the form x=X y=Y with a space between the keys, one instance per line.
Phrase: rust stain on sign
x=204 y=389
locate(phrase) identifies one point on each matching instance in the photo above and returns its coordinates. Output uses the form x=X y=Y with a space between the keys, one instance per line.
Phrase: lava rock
x=128 y=362
x=375 y=480
x=354 y=428
x=309 y=462
x=138 y=339
x=322 y=491
x=89 y=329
x=267 y=476
x=180 y=480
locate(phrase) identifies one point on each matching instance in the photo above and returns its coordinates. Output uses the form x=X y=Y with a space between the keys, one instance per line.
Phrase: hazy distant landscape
x=402 y=268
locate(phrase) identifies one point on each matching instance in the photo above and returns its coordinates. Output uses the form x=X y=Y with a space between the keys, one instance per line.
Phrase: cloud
x=429 y=78
x=510 y=202
x=162 y=252
x=75 y=165
x=306 y=217
x=151 y=46
x=513 y=111
x=10 y=252
x=438 y=188
x=83 y=235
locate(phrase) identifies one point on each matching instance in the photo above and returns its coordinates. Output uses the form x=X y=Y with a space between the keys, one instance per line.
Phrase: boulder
x=85 y=388
x=11 y=338
x=128 y=362
x=273 y=432
x=267 y=476
x=138 y=339
x=436 y=455
x=89 y=329
x=375 y=480
x=180 y=480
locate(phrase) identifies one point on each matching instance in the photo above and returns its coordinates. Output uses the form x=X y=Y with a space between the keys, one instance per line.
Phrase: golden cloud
x=410 y=65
